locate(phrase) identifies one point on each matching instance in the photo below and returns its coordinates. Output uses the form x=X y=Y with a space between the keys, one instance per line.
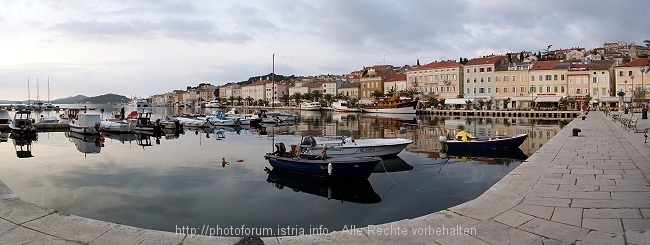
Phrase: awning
x=613 y=99
x=458 y=101
x=521 y=98
x=547 y=98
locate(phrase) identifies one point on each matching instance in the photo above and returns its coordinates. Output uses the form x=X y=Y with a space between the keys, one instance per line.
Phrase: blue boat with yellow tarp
x=464 y=141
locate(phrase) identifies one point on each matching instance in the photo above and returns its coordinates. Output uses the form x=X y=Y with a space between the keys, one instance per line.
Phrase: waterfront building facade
x=603 y=89
x=256 y=90
x=630 y=79
x=350 y=90
x=479 y=78
x=372 y=79
x=511 y=83
x=442 y=80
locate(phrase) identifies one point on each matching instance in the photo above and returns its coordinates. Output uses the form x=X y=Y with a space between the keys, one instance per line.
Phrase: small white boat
x=4 y=116
x=49 y=106
x=310 y=106
x=355 y=147
x=342 y=106
x=22 y=124
x=86 y=123
x=213 y=104
x=70 y=114
x=44 y=119
x=221 y=121
x=191 y=122
x=117 y=126
x=233 y=112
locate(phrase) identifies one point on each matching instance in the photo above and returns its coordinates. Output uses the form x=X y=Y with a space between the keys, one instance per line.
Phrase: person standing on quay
x=122 y=112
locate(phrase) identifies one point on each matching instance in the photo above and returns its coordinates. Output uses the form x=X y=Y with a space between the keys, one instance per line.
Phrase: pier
x=589 y=188
x=500 y=113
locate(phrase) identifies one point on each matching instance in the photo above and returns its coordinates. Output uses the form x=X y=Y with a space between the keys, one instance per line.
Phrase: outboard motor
x=309 y=140
x=280 y=149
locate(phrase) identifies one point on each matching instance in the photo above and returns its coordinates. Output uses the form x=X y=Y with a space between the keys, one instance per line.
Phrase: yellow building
x=510 y=84
x=441 y=80
x=633 y=79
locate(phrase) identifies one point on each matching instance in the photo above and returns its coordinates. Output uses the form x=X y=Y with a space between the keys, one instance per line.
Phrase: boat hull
x=83 y=129
x=117 y=127
x=360 y=147
x=353 y=167
x=397 y=108
x=475 y=145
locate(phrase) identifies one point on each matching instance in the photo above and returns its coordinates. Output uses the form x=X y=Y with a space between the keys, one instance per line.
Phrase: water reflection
x=122 y=138
x=349 y=190
x=86 y=144
x=392 y=164
x=23 y=144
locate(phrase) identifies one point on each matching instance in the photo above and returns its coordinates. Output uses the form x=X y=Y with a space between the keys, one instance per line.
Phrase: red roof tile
x=636 y=62
x=441 y=64
x=484 y=61
x=397 y=77
x=544 y=65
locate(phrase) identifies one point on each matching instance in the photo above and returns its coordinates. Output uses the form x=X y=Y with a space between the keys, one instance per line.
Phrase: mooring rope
x=419 y=190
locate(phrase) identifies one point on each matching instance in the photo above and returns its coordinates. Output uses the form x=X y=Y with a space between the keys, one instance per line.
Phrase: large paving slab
x=589 y=189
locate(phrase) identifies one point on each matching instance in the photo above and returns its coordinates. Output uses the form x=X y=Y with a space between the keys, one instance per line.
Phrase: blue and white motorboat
x=349 y=146
x=22 y=124
x=323 y=165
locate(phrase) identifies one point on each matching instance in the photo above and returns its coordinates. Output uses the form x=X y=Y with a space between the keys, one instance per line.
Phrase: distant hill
x=80 y=99
x=70 y=100
x=106 y=98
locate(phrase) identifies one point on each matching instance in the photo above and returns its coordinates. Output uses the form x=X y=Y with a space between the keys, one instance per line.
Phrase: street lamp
x=633 y=91
x=644 y=110
x=624 y=100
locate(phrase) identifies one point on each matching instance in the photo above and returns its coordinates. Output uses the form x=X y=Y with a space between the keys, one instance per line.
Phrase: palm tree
x=411 y=92
x=506 y=102
x=328 y=98
x=285 y=98
x=297 y=97
x=232 y=99
x=239 y=99
x=249 y=100
x=390 y=92
x=317 y=95
x=261 y=102
x=468 y=104
x=308 y=96
x=377 y=94
x=432 y=102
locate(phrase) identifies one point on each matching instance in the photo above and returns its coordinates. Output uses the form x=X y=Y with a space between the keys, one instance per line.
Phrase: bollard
x=583 y=117
x=576 y=131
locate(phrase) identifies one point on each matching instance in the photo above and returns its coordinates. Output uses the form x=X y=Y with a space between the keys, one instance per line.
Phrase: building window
x=555 y=77
x=514 y=89
x=513 y=78
x=482 y=90
x=505 y=90
x=489 y=80
x=447 y=88
x=603 y=91
x=468 y=80
x=555 y=89
x=475 y=90
x=467 y=90
x=482 y=69
x=505 y=78
x=532 y=78
x=570 y=80
x=496 y=90
x=548 y=77
x=496 y=79
x=562 y=77
x=481 y=79
x=531 y=89
x=521 y=78
x=474 y=70
x=595 y=91
x=577 y=91
x=540 y=78
x=522 y=89
x=489 y=90
x=629 y=73
x=561 y=89
x=468 y=70
x=489 y=69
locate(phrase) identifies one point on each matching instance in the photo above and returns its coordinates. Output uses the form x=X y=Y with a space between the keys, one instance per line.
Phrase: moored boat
x=117 y=126
x=22 y=124
x=86 y=144
x=44 y=119
x=464 y=141
x=4 y=116
x=86 y=123
x=323 y=165
x=310 y=106
x=355 y=147
x=396 y=105
x=343 y=106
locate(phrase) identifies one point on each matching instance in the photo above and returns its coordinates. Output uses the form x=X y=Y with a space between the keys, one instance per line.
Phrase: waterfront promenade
x=589 y=189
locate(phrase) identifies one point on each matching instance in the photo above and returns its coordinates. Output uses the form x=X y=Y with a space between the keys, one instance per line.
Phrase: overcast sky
x=140 y=48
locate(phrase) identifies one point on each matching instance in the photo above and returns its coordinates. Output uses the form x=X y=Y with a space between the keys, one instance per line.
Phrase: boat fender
x=329 y=168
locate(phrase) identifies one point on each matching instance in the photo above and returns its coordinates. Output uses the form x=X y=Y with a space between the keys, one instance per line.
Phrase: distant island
x=81 y=99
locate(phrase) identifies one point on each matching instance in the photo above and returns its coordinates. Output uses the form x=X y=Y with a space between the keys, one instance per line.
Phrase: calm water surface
x=168 y=182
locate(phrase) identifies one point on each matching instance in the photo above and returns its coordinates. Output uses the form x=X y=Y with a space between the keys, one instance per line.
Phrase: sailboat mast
x=38 y=92
x=273 y=82
x=29 y=94
x=48 y=89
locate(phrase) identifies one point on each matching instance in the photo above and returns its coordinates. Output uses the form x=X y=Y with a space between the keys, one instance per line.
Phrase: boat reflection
x=392 y=164
x=120 y=137
x=349 y=190
x=516 y=153
x=144 y=139
x=87 y=144
x=23 y=144
x=4 y=137
x=172 y=133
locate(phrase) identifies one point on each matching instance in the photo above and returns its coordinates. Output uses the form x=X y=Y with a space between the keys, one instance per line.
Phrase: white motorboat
x=274 y=116
x=233 y=112
x=22 y=124
x=310 y=106
x=192 y=122
x=139 y=102
x=342 y=106
x=4 y=116
x=221 y=121
x=355 y=147
x=213 y=104
x=117 y=126
x=86 y=123
x=44 y=119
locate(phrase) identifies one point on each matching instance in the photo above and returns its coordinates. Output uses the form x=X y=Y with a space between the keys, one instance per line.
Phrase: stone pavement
x=590 y=189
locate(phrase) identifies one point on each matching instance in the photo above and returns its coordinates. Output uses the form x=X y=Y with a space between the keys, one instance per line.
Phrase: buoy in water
x=240 y=160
